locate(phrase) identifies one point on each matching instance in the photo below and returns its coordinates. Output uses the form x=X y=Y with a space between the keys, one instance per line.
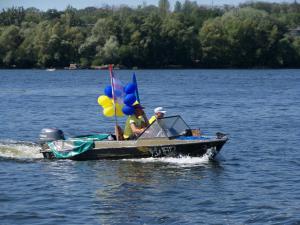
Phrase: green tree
x=241 y=38
x=10 y=40
x=164 y=7
x=12 y=16
x=26 y=55
x=256 y=34
x=215 y=46
x=109 y=53
x=51 y=14
x=33 y=15
x=178 y=6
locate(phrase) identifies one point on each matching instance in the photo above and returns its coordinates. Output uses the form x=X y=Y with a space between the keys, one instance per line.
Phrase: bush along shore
x=251 y=35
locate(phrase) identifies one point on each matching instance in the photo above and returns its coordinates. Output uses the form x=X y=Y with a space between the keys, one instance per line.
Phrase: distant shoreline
x=165 y=68
x=253 y=35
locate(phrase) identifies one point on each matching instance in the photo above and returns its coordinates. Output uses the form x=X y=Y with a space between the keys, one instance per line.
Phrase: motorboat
x=165 y=137
x=50 y=69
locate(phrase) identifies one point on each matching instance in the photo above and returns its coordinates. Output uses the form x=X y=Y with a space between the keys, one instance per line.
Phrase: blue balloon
x=128 y=110
x=129 y=99
x=130 y=88
x=108 y=91
x=118 y=93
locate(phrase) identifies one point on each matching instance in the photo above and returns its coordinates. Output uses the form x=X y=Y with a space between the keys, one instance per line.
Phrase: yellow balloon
x=109 y=111
x=107 y=104
x=104 y=101
x=101 y=99
x=119 y=112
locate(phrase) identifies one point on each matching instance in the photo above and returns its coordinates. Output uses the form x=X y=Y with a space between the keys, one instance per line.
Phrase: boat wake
x=19 y=150
x=182 y=161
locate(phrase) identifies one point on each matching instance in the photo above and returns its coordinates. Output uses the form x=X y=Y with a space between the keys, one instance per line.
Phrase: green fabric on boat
x=92 y=137
x=75 y=146
x=80 y=148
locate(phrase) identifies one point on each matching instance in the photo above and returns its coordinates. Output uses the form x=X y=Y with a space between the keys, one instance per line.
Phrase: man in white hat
x=159 y=113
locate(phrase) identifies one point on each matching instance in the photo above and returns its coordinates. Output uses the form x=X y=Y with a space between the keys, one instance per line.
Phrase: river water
x=255 y=179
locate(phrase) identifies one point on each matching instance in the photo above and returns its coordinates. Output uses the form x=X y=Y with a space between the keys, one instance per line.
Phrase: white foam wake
x=181 y=160
x=20 y=151
x=178 y=161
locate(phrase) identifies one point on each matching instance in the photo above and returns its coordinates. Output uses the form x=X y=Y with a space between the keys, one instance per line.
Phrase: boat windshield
x=172 y=126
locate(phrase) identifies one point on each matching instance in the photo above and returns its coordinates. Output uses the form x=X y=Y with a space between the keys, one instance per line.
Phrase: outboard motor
x=50 y=134
x=46 y=135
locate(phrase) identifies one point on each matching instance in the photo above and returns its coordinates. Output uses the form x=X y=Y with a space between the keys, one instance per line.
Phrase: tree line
x=256 y=34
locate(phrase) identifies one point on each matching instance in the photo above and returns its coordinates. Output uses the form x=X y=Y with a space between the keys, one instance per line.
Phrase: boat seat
x=196 y=132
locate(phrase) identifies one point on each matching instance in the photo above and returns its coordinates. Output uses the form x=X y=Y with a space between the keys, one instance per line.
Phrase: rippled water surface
x=255 y=179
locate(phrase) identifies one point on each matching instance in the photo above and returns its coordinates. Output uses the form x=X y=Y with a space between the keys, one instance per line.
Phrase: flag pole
x=113 y=95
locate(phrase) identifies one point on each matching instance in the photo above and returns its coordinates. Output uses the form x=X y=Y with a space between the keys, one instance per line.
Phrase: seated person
x=135 y=123
x=119 y=133
x=159 y=112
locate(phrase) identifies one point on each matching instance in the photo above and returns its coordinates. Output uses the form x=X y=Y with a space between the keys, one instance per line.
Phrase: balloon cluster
x=130 y=99
x=112 y=107
x=107 y=102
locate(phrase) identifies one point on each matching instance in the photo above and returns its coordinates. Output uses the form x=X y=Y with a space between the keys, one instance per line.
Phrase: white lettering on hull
x=158 y=151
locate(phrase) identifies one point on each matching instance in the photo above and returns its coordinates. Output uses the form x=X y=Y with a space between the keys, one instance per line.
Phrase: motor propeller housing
x=50 y=134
